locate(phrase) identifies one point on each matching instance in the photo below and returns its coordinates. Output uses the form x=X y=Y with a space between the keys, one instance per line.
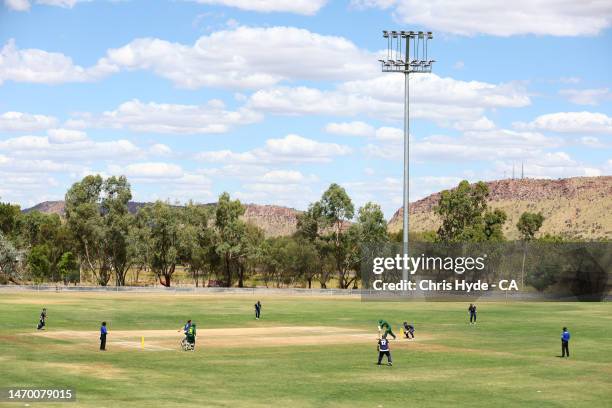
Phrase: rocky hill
x=573 y=207
x=274 y=220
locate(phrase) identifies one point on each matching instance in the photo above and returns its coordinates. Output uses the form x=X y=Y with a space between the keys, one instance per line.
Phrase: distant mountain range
x=274 y=220
x=575 y=207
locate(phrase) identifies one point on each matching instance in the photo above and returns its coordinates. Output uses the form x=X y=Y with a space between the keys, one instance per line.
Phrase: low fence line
x=182 y=289
x=367 y=294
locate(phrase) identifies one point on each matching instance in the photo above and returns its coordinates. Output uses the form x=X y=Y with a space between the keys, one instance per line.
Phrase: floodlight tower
x=407 y=53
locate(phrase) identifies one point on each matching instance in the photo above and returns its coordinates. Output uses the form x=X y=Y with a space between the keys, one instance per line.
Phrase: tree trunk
x=228 y=272
x=240 y=276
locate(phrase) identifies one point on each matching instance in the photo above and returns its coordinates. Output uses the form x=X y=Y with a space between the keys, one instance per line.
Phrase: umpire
x=103 y=333
x=565 y=337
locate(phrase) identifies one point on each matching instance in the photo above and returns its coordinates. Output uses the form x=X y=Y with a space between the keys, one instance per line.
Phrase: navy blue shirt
x=383 y=345
x=103 y=330
x=565 y=336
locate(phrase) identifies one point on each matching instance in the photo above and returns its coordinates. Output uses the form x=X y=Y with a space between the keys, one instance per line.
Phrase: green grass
x=508 y=359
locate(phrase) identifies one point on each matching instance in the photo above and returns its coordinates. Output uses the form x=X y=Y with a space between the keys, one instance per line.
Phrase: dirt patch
x=104 y=371
x=159 y=340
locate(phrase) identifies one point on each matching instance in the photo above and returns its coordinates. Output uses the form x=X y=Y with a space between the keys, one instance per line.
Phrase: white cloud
x=593 y=142
x=496 y=144
x=60 y=3
x=286 y=176
x=390 y=134
x=299 y=148
x=355 y=128
x=153 y=117
x=38 y=66
x=586 y=96
x=443 y=100
x=154 y=170
x=291 y=148
x=482 y=123
x=24 y=5
x=306 y=7
x=36 y=166
x=542 y=17
x=234 y=58
x=160 y=149
x=25 y=122
x=549 y=165
x=570 y=122
x=68 y=145
x=17 y=5
x=60 y=136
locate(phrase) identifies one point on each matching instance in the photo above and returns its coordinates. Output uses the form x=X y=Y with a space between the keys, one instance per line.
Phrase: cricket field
x=306 y=351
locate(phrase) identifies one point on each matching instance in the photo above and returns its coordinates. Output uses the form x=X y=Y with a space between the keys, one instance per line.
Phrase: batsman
x=384 y=328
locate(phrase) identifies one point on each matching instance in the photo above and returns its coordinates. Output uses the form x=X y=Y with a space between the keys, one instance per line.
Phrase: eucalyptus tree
x=162 y=225
x=98 y=217
x=230 y=229
x=337 y=211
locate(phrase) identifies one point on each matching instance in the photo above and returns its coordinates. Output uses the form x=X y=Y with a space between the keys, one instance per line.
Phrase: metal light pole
x=407 y=58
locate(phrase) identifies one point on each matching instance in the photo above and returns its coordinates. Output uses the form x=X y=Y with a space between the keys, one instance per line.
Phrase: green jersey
x=383 y=324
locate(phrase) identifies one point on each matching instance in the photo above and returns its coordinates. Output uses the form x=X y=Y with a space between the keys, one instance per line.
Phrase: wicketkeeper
x=408 y=330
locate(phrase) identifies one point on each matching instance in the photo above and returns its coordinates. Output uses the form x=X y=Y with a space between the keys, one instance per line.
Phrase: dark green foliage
x=68 y=268
x=465 y=217
x=38 y=263
x=529 y=224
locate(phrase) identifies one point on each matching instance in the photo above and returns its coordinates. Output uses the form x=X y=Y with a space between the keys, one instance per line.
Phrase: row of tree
x=100 y=237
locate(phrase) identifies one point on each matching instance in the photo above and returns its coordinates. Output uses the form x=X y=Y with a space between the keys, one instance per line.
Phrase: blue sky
x=272 y=100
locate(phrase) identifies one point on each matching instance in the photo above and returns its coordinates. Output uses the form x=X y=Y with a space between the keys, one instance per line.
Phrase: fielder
x=472 y=310
x=41 y=321
x=257 y=310
x=385 y=328
x=383 y=350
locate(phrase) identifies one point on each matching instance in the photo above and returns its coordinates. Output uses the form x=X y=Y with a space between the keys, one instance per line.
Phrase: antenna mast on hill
x=407 y=53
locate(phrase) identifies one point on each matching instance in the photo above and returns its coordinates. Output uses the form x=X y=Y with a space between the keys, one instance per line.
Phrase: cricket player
x=191 y=335
x=103 y=333
x=41 y=321
x=472 y=310
x=257 y=310
x=383 y=350
x=185 y=328
x=385 y=328
x=408 y=330
x=565 y=337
